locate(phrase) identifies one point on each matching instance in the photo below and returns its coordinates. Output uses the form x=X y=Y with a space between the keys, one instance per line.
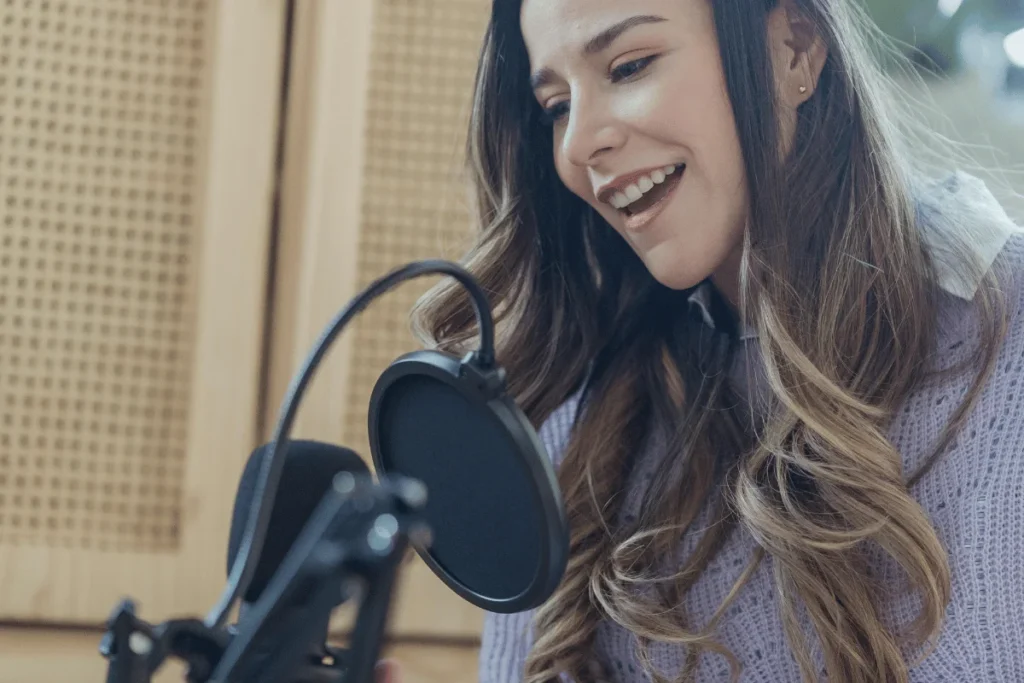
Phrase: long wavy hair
x=842 y=292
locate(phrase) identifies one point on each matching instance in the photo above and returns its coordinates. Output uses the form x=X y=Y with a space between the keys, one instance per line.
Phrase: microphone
x=308 y=469
x=350 y=546
x=307 y=473
x=462 y=477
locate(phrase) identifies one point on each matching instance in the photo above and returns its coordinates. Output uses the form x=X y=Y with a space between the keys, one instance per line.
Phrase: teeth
x=645 y=184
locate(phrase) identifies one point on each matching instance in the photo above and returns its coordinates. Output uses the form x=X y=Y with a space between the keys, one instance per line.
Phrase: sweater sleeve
x=976 y=500
x=1001 y=508
x=507 y=638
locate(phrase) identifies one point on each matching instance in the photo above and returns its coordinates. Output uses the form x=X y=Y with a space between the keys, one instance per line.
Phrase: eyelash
x=554 y=113
x=640 y=64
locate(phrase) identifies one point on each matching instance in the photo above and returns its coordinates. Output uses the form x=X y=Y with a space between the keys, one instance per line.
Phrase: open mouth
x=648 y=191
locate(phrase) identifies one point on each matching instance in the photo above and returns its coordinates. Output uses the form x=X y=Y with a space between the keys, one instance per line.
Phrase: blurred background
x=189 y=190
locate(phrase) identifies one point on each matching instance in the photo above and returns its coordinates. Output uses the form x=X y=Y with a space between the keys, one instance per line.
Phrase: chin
x=683 y=261
x=677 y=281
x=676 y=273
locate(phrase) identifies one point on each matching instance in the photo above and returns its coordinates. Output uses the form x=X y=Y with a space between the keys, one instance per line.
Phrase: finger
x=386 y=671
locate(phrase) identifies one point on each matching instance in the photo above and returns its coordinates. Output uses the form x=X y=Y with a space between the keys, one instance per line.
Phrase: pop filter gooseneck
x=482 y=361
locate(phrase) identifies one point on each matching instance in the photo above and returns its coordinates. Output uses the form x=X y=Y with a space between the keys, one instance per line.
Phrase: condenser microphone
x=308 y=471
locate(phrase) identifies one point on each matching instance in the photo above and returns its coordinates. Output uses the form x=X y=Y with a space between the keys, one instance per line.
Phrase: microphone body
x=307 y=475
x=352 y=546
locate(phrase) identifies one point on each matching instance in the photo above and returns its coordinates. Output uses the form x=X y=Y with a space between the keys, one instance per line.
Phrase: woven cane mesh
x=99 y=102
x=423 y=62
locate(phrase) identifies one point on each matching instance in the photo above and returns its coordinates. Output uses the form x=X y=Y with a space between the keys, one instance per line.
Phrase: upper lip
x=606 y=191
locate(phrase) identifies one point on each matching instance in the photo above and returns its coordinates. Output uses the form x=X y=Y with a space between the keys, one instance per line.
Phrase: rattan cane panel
x=98 y=156
x=423 y=61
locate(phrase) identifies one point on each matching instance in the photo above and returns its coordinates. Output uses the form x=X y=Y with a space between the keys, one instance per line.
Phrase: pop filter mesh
x=482 y=504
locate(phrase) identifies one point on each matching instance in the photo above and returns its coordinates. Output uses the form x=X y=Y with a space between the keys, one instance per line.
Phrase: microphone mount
x=351 y=548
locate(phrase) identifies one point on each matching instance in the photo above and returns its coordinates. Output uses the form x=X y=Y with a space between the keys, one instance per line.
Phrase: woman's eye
x=556 y=112
x=631 y=69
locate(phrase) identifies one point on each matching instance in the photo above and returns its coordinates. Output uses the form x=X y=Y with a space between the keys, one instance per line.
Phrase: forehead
x=551 y=27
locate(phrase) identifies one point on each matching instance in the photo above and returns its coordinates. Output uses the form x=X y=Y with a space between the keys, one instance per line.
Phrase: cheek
x=702 y=121
x=706 y=122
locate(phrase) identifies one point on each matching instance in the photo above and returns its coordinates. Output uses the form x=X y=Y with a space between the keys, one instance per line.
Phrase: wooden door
x=137 y=152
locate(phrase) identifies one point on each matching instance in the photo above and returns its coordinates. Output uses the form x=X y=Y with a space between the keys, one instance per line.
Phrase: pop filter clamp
x=135 y=649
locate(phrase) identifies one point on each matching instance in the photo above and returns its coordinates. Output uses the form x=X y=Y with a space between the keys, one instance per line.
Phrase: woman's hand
x=388 y=671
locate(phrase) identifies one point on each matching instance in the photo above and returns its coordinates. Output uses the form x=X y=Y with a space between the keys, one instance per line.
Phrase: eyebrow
x=598 y=43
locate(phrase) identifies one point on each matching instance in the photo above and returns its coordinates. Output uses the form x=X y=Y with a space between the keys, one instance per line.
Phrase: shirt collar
x=948 y=204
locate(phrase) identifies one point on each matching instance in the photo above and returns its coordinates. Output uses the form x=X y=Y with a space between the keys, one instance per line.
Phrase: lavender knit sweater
x=974 y=496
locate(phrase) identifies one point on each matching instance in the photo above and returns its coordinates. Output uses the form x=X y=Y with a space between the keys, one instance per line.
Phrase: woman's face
x=643 y=126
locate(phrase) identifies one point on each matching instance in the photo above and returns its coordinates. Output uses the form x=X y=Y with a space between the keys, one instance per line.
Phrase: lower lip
x=638 y=222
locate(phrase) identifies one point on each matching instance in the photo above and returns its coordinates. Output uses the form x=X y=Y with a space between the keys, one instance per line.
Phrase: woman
x=776 y=363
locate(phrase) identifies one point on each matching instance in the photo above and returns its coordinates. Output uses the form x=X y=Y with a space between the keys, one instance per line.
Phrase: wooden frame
x=316 y=261
x=318 y=235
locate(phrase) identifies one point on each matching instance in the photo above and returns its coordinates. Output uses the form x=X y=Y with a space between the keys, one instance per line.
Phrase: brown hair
x=841 y=290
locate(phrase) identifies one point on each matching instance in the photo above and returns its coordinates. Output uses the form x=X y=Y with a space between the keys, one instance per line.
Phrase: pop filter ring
x=269 y=477
x=486 y=388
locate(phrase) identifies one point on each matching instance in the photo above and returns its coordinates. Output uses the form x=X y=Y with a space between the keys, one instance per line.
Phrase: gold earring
x=803 y=89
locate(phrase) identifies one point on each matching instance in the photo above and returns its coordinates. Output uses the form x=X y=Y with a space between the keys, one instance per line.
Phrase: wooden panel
x=49 y=656
x=377 y=108
x=101 y=152
x=137 y=146
x=423 y=62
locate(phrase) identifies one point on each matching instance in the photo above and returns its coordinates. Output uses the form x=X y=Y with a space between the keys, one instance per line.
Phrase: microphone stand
x=365 y=557
x=136 y=650
x=352 y=547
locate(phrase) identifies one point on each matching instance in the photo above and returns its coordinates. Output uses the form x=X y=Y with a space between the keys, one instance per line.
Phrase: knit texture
x=974 y=497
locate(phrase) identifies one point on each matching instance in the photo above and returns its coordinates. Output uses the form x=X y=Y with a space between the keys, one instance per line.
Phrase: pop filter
x=495 y=507
x=501 y=538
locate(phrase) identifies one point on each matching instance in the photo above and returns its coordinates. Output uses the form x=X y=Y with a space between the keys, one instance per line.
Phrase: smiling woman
x=602 y=81
x=758 y=331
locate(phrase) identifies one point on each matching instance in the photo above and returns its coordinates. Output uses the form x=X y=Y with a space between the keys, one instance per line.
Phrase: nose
x=590 y=134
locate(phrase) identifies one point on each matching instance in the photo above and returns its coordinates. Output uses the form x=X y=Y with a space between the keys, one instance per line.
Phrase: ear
x=798 y=54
